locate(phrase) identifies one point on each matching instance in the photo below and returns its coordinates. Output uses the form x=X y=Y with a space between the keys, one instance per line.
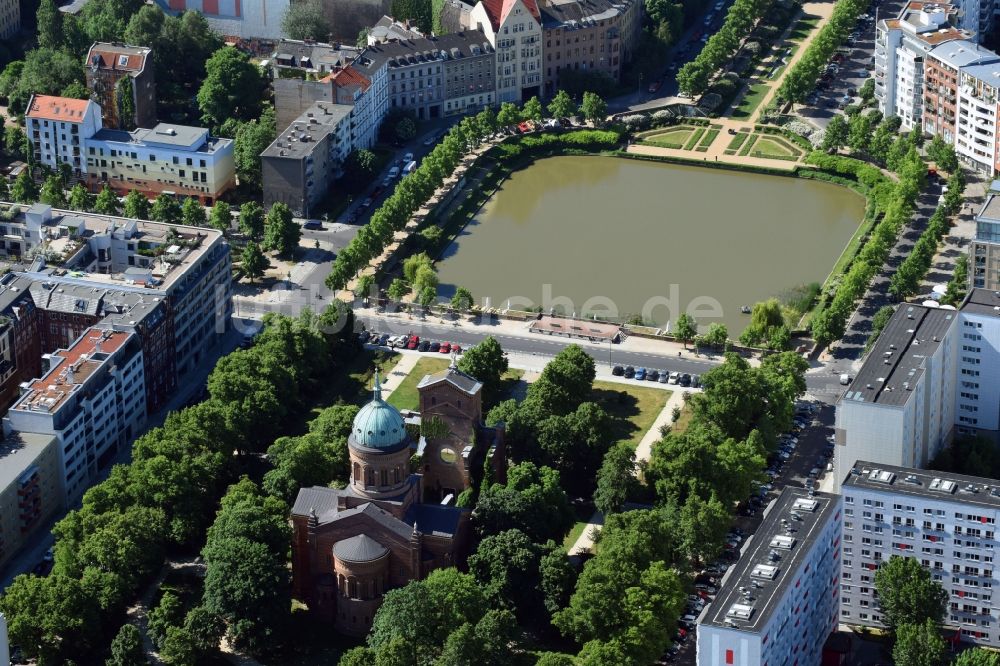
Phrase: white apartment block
x=977 y=398
x=57 y=128
x=514 y=29
x=92 y=399
x=946 y=521
x=780 y=601
x=900 y=409
x=901 y=44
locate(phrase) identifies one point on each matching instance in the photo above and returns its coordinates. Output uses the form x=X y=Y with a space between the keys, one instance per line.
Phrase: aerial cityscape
x=499 y=332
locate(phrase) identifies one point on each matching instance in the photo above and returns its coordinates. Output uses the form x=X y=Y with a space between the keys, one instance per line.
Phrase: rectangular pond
x=619 y=237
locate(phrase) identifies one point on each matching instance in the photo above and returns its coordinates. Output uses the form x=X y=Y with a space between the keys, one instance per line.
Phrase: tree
x=53 y=618
x=487 y=362
x=836 y=133
x=253 y=263
x=16 y=141
x=360 y=168
x=193 y=213
x=46 y=71
x=252 y=220
x=427 y=296
x=977 y=657
x=166 y=209
x=145 y=26
x=305 y=20
x=860 y=132
x=717 y=336
x=686 y=328
x=462 y=299
x=561 y=105
x=907 y=593
x=221 y=217
x=24 y=189
x=593 y=108
x=506 y=565
x=107 y=202
x=126 y=648
x=919 y=644
x=558 y=578
x=879 y=322
x=397 y=290
x=52 y=192
x=80 y=198
x=509 y=115
x=616 y=480
x=405 y=129
x=252 y=138
x=703 y=526
x=168 y=613
x=531 y=501
x=232 y=88
x=533 y=109
x=281 y=233
x=137 y=205
x=50 y=25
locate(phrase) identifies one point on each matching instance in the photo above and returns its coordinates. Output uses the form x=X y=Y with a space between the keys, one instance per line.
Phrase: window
x=122 y=60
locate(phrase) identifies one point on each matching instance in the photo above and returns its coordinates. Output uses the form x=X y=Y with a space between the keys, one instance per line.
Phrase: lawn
x=674 y=137
x=745 y=150
x=681 y=424
x=751 y=100
x=695 y=138
x=777 y=148
x=635 y=407
x=574 y=534
x=707 y=140
x=736 y=142
x=405 y=396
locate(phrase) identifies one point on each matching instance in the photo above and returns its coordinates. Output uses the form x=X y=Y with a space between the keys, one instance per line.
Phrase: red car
x=445 y=348
x=457 y=349
x=525 y=127
x=413 y=342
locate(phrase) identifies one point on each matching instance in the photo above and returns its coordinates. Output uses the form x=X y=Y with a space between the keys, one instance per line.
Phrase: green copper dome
x=379 y=425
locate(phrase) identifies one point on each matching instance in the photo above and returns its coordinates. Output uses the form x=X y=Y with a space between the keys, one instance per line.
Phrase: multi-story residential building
x=900 y=409
x=171 y=285
x=10 y=18
x=388 y=29
x=299 y=167
x=176 y=159
x=901 y=45
x=945 y=521
x=122 y=82
x=438 y=76
x=587 y=36
x=31 y=489
x=984 y=250
x=92 y=400
x=240 y=19
x=976 y=142
x=20 y=338
x=57 y=128
x=977 y=393
x=514 y=28
x=779 y=602
x=975 y=15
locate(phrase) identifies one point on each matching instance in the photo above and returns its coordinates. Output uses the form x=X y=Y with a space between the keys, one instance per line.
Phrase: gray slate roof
x=360 y=548
x=456 y=378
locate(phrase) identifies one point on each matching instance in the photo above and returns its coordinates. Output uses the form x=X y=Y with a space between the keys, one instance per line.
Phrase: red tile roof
x=347 y=76
x=498 y=10
x=110 y=59
x=47 y=107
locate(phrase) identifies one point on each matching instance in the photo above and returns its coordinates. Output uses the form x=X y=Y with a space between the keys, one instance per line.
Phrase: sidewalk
x=401 y=370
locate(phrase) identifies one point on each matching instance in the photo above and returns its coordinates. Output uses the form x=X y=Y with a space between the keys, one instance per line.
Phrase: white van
x=409 y=168
x=845 y=379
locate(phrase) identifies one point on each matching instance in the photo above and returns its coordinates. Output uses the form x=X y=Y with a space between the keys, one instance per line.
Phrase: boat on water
x=745 y=309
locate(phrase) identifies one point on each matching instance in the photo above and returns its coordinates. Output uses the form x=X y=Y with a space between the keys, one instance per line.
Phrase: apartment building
x=901 y=46
x=174 y=159
x=20 y=338
x=779 y=602
x=946 y=521
x=122 y=82
x=984 y=250
x=301 y=164
x=514 y=29
x=171 y=285
x=10 y=18
x=31 y=489
x=388 y=29
x=57 y=128
x=438 y=76
x=977 y=394
x=240 y=19
x=900 y=409
x=588 y=36
x=92 y=400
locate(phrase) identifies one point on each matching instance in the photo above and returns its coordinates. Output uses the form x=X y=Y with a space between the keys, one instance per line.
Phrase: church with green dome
x=393 y=523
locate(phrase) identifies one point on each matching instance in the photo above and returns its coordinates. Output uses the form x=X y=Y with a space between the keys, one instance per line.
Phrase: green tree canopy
x=221 y=217
x=52 y=192
x=126 y=648
x=593 y=108
x=531 y=501
x=919 y=644
x=252 y=138
x=616 y=481
x=562 y=105
x=252 y=220
x=281 y=233
x=907 y=593
x=253 y=263
x=137 y=205
x=306 y=20
x=232 y=88
x=167 y=209
x=80 y=198
x=193 y=213
x=487 y=362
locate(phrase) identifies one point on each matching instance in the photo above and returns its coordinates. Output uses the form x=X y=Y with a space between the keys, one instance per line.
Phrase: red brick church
x=391 y=525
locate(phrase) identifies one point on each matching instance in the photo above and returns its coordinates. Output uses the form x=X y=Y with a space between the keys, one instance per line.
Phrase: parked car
x=695 y=381
x=423 y=346
x=629 y=372
x=413 y=342
x=456 y=349
x=685 y=380
x=383 y=340
x=445 y=348
x=394 y=173
x=640 y=374
x=618 y=371
x=313 y=225
x=435 y=347
x=652 y=375
x=407 y=158
x=664 y=376
x=367 y=203
x=675 y=377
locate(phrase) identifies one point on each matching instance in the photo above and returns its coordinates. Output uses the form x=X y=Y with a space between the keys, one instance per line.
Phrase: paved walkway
x=401 y=370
